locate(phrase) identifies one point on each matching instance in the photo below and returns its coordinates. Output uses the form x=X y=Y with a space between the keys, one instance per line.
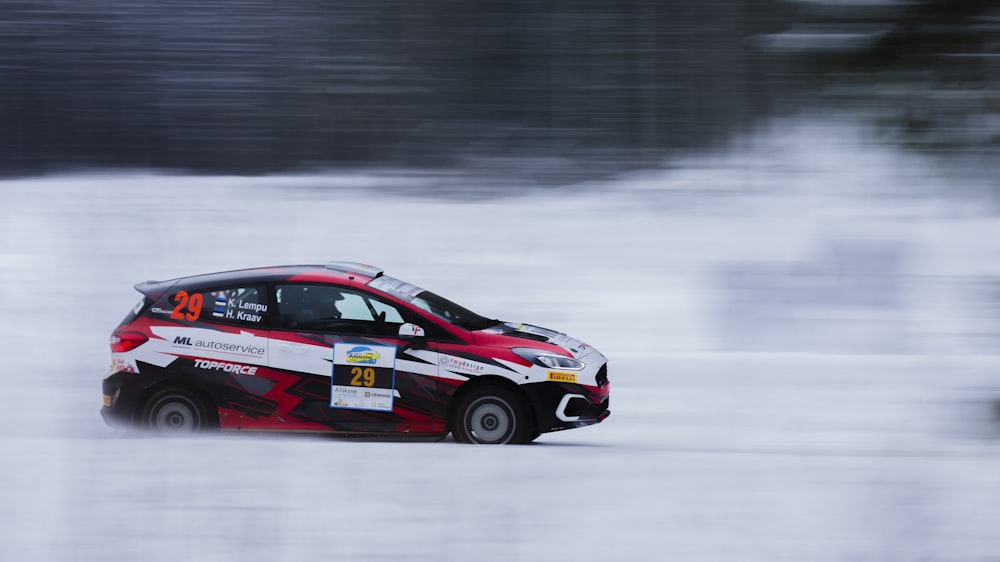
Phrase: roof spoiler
x=153 y=288
x=355 y=267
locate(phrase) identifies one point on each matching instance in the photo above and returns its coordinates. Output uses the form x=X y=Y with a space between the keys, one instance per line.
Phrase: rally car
x=341 y=347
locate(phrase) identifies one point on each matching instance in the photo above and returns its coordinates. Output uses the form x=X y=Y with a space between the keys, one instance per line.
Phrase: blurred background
x=779 y=220
x=575 y=88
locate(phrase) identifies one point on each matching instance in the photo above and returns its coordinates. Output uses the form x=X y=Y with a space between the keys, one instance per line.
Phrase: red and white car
x=341 y=347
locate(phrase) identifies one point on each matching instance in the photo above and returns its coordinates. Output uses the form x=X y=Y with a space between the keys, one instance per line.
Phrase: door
x=347 y=367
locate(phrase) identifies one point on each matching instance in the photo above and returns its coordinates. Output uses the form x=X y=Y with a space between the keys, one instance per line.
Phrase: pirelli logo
x=559 y=376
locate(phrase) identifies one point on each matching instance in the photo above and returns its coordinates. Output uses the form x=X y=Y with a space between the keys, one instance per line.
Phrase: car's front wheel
x=176 y=411
x=492 y=415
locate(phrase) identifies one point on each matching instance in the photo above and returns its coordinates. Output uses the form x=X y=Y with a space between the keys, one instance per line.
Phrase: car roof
x=342 y=272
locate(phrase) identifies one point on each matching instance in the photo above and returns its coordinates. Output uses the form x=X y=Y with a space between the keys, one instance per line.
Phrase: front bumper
x=561 y=406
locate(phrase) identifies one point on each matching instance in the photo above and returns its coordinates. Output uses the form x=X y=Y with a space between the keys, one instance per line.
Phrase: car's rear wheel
x=492 y=415
x=175 y=411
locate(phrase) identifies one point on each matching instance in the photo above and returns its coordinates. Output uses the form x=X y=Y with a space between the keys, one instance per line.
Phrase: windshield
x=453 y=313
x=439 y=306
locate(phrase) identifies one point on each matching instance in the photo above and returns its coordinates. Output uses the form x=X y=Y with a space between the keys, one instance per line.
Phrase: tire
x=492 y=415
x=175 y=411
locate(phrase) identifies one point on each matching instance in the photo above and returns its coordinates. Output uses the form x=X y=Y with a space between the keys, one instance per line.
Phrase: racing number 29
x=193 y=303
x=362 y=377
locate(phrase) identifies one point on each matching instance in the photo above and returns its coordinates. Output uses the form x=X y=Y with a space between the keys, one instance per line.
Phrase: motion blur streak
x=791 y=205
x=804 y=362
x=542 y=89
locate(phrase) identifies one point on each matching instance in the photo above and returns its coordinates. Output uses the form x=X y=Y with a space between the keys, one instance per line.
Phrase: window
x=438 y=306
x=245 y=306
x=451 y=312
x=354 y=307
x=391 y=314
x=241 y=305
x=326 y=308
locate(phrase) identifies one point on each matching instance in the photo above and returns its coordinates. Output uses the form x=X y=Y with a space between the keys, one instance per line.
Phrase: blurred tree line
x=255 y=86
x=929 y=71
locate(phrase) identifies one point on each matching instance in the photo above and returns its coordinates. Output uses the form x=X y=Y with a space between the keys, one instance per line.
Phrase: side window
x=391 y=314
x=308 y=307
x=244 y=306
x=353 y=307
x=326 y=308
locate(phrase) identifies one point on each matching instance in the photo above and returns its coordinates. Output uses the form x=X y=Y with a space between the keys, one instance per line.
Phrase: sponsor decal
x=363 y=377
x=234 y=368
x=559 y=376
x=363 y=355
x=576 y=346
x=411 y=330
x=219 y=347
x=532 y=329
x=453 y=363
x=158 y=310
x=107 y=401
x=121 y=365
x=395 y=287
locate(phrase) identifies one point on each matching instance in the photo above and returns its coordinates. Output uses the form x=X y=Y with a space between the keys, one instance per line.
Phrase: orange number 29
x=193 y=303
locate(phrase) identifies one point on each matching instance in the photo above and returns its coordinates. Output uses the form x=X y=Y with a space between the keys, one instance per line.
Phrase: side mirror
x=409 y=330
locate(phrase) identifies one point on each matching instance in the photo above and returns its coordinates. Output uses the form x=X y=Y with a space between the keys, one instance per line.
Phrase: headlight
x=547 y=359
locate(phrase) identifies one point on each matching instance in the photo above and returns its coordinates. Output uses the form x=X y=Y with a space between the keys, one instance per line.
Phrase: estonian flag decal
x=220 y=307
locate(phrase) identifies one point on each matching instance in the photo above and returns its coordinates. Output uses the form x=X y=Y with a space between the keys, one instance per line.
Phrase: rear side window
x=243 y=306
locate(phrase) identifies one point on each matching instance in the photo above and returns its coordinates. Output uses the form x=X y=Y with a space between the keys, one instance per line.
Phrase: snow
x=801 y=334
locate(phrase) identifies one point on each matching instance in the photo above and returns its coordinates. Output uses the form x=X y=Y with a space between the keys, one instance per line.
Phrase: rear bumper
x=121 y=393
x=115 y=419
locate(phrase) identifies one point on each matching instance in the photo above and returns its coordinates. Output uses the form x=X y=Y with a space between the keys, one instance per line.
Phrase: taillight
x=127 y=341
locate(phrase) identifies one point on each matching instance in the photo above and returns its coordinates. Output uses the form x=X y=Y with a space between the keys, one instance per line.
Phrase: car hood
x=572 y=346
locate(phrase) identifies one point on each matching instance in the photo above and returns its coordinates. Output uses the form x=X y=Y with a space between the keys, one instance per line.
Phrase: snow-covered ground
x=801 y=332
